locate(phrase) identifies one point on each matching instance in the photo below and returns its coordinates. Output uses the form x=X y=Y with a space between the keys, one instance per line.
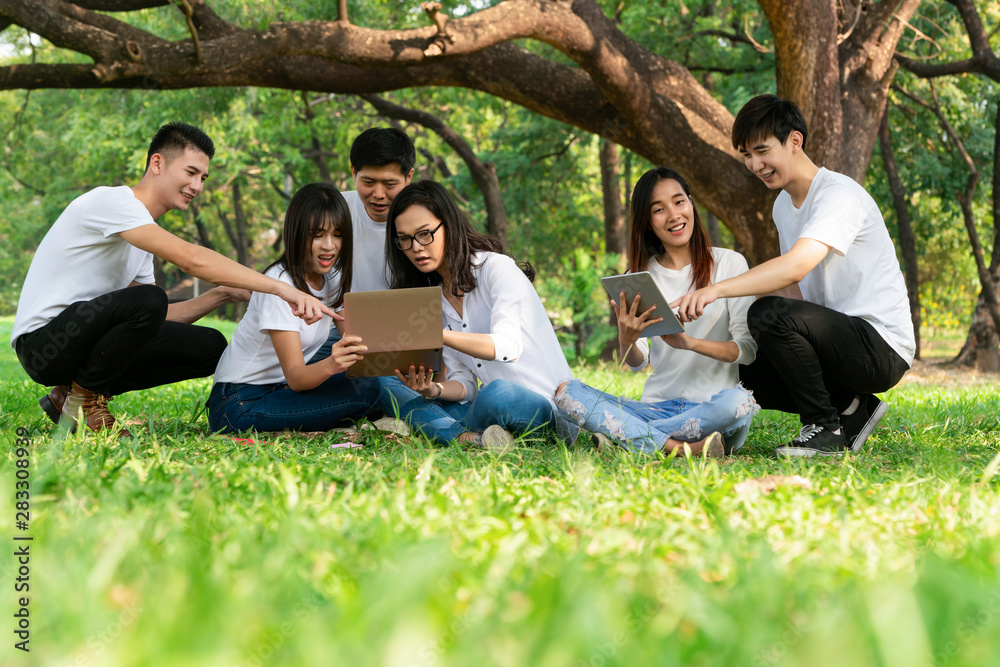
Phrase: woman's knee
x=499 y=391
x=737 y=401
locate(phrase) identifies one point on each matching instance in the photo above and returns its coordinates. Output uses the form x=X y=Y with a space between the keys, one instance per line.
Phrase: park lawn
x=176 y=548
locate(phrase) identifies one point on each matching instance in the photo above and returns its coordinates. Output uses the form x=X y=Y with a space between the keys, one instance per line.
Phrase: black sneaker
x=860 y=424
x=814 y=441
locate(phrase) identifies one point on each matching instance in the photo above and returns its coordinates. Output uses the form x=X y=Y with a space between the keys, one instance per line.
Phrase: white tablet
x=643 y=283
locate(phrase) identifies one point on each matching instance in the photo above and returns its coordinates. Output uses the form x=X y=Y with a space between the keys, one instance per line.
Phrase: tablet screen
x=643 y=283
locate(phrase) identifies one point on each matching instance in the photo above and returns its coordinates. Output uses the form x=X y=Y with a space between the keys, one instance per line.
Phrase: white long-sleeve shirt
x=686 y=374
x=505 y=306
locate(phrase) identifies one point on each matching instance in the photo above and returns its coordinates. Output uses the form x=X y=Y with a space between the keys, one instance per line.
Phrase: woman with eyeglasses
x=496 y=331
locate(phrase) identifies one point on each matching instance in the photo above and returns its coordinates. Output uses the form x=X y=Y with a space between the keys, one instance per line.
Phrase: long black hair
x=461 y=240
x=313 y=209
x=644 y=244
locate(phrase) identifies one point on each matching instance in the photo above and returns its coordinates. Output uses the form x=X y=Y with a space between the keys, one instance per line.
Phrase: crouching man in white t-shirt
x=382 y=160
x=851 y=336
x=91 y=323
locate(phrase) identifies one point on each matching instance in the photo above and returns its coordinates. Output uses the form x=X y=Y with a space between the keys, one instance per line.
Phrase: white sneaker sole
x=804 y=452
x=870 y=425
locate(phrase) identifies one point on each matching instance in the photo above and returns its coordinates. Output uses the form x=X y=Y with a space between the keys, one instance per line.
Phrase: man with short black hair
x=382 y=160
x=90 y=319
x=851 y=336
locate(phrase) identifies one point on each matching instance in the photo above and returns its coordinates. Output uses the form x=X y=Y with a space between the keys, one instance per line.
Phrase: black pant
x=119 y=342
x=813 y=361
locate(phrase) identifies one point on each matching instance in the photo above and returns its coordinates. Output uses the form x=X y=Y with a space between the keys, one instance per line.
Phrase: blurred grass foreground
x=181 y=548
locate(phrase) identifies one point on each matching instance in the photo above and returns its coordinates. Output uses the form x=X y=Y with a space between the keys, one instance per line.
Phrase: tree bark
x=203 y=237
x=615 y=239
x=907 y=239
x=614 y=87
x=981 y=345
x=237 y=230
x=615 y=242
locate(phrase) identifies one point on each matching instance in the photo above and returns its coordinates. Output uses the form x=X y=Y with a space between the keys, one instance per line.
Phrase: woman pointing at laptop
x=496 y=331
x=262 y=381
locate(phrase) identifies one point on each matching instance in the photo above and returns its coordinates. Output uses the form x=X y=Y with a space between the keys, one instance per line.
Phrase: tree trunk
x=907 y=239
x=614 y=216
x=203 y=237
x=980 y=348
x=712 y=227
x=615 y=87
x=615 y=239
x=237 y=232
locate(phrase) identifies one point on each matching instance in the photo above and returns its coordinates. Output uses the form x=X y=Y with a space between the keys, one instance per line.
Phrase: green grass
x=176 y=548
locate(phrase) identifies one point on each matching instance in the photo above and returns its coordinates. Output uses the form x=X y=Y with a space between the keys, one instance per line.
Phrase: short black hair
x=765 y=116
x=174 y=138
x=381 y=146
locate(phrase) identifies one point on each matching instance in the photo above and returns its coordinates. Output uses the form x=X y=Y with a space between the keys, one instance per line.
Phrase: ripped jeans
x=645 y=427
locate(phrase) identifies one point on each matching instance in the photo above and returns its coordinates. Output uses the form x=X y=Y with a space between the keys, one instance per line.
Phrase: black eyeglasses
x=423 y=237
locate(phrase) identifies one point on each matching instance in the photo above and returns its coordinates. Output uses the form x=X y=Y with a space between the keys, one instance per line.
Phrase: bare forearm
x=772 y=275
x=451 y=390
x=194 y=309
x=219 y=269
x=304 y=378
x=475 y=345
x=631 y=354
x=727 y=351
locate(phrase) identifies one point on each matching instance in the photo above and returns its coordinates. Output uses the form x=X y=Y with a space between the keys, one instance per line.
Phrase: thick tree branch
x=120 y=5
x=615 y=88
x=983 y=60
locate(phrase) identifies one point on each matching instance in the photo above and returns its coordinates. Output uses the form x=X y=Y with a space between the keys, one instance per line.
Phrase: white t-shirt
x=369 y=270
x=860 y=277
x=685 y=374
x=83 y=257
x=250 y=357
x=505 y=306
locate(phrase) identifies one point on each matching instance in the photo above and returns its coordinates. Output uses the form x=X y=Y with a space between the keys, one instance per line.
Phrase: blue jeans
x=645 y=427
x=236 y=407
x=504 y=403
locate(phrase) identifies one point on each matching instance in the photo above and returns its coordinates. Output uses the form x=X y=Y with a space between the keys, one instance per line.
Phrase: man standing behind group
x=822 y=358
x=91 y=322
x=382 y=160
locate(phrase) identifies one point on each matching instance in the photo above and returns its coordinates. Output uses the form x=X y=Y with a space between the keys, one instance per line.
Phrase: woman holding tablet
x=496 y=331
x=262 y=381
x=694 y=389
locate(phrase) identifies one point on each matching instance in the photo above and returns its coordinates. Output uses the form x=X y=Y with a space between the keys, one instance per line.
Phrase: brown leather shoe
x=52 y=403
x=96 y=415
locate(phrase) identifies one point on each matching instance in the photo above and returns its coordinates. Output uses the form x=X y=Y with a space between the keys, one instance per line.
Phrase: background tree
x=581 y=69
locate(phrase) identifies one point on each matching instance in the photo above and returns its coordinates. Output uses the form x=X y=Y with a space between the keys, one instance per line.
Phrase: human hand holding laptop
x=420 y=380
x=345 y=353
